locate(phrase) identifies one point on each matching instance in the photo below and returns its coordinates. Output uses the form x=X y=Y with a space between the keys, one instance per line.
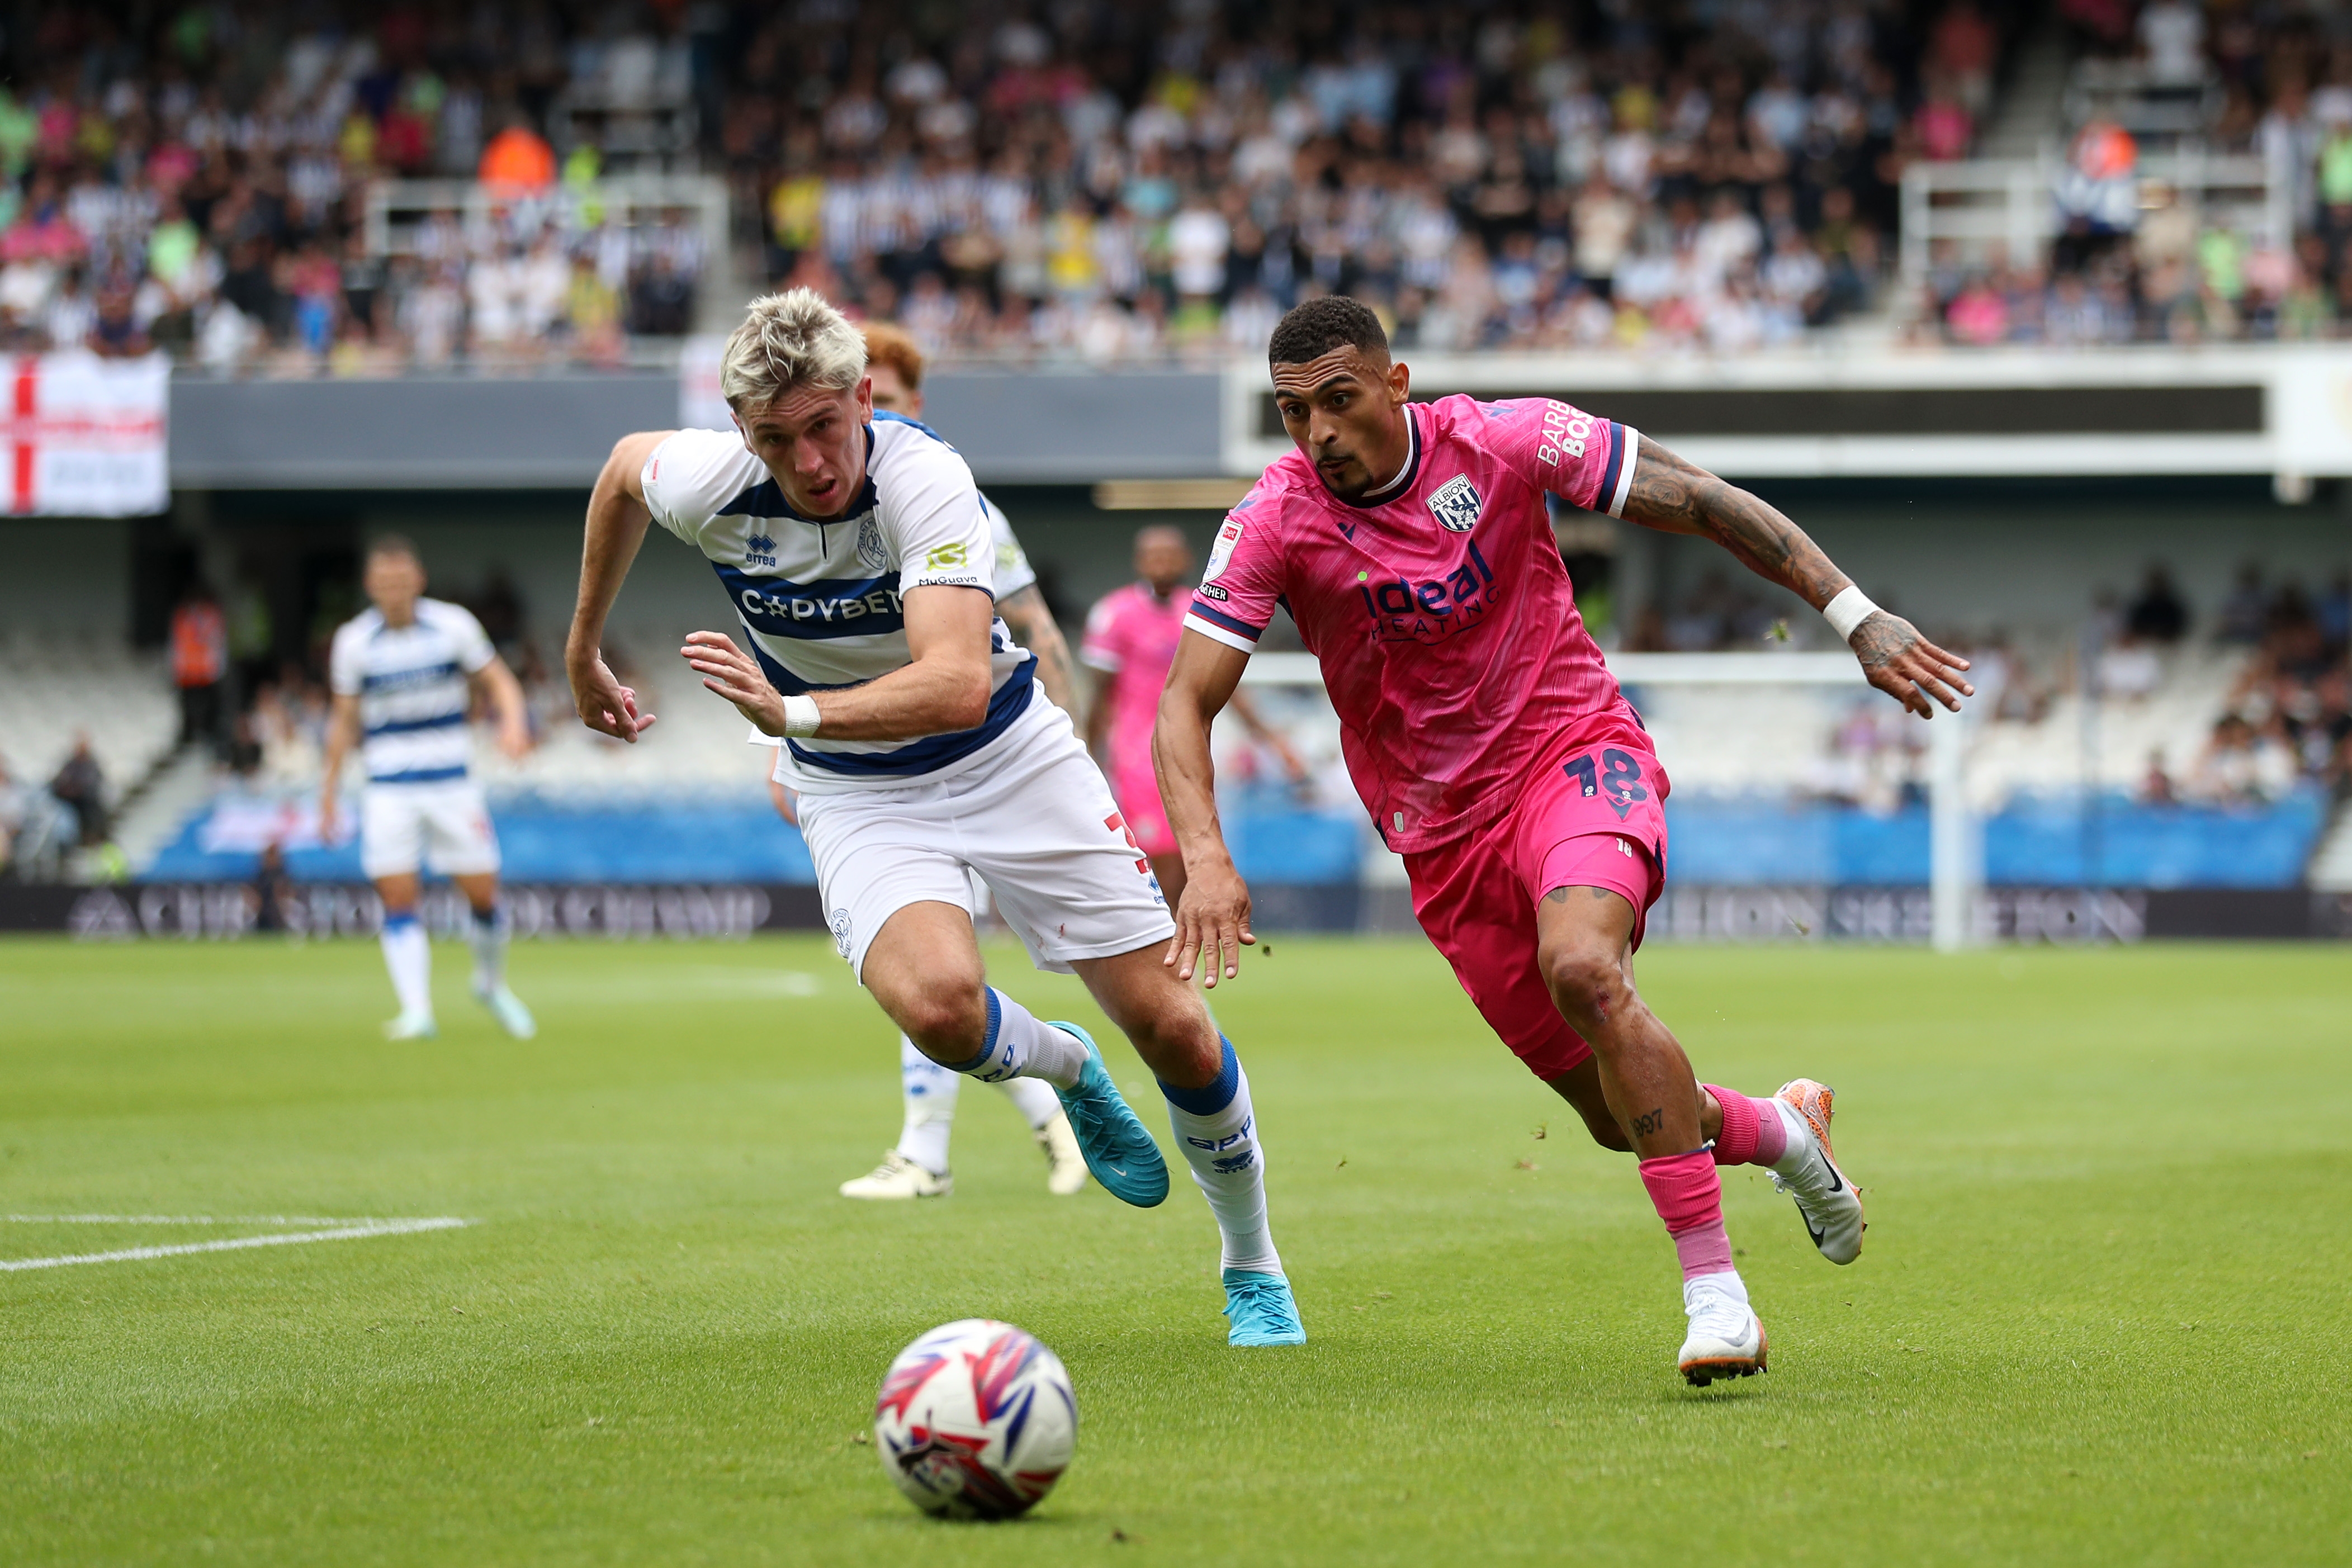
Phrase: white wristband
x=1849 y=609
x=800 y=716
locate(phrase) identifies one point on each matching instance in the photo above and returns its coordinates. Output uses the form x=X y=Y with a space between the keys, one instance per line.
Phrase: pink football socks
x=1753 y=1133
x=1689 y=1199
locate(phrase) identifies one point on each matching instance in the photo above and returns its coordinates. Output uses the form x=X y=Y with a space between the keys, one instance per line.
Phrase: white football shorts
x=1035 y=821
x=443 y=826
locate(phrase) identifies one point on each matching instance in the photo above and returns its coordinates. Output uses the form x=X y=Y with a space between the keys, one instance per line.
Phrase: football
x=976 y=1420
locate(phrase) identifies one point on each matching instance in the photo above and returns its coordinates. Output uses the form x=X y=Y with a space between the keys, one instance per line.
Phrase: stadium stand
x=2191 y=183
x=408 y=187
x=1042 y=187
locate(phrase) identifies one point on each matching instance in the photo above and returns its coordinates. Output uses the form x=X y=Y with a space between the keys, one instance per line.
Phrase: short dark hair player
x=1412 y=545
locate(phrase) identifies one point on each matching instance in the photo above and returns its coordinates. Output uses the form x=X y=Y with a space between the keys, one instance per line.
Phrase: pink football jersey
x=1131 y=636
x=1439 y=609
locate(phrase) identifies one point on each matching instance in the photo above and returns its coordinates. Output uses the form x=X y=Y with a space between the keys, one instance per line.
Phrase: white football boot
x=898 y=1177
x=1808 y=1172
x=507 y=1008
x=412 y=1026
x=1726 y=1340
x=1065 y=1166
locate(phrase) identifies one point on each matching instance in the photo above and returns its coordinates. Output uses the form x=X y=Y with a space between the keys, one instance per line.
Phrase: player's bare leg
x=408 y=958
x=1584 y=943
x=924 y=968
x=488 y=934
x=1788 y=1135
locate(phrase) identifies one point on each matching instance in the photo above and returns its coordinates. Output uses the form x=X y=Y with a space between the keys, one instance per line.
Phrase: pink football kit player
x=1411 y=544
x=1131 y=638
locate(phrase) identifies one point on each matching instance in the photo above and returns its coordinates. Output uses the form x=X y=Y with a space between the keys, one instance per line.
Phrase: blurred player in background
x=404 y=673
x=861 y=569
x=1131 y=637
x=917 y=1165
x=1411 y=544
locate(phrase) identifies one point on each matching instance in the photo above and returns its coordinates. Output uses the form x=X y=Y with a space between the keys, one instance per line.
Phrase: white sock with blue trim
x=929 y=1091
x=410 y=959
x=1033 y=1098
x=488 y=934
x=1218 y=1132
x=1019 y=1046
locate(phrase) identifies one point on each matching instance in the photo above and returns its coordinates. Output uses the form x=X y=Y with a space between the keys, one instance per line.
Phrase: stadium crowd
x=1073 y=179
x=2137 y=258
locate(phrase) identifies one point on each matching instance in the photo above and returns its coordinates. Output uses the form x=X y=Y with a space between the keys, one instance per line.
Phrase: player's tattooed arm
x=1032 y=626
x=1679 y=498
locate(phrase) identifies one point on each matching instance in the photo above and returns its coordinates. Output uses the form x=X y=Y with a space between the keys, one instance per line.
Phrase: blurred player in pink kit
x=1131 y=638
x=1411 y=544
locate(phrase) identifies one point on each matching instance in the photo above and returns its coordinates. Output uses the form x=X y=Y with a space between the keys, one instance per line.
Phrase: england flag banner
x=86 y=435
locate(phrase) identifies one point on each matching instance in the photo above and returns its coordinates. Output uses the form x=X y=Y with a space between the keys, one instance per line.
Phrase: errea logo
x=759 y=550
x=1456 y=505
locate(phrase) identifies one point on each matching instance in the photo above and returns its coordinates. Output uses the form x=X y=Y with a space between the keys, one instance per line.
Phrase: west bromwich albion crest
x=1456 y=505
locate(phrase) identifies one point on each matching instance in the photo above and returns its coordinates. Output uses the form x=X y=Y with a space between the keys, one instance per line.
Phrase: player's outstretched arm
x=342 y=729
x=498 y=683
x=943 y=687
x=1213 y=918
x=1679 y=498
x=1032 y=626
x=617 y=520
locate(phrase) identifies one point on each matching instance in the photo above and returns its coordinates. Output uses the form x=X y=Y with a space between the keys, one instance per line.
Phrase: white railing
x=1978 y=203
x=399 y=210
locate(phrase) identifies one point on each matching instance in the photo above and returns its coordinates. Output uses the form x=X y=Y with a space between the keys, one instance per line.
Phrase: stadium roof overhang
x=2286 y=411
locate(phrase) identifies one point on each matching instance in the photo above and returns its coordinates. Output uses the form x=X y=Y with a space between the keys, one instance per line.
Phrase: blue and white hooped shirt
x=819 y=599
x=411 y=683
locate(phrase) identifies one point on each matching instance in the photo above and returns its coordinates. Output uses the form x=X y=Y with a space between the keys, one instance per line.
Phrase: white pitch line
x=183 y=1220
x=290 y=1238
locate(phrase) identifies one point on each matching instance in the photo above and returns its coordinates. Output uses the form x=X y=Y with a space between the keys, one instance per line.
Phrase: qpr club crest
x=759 y=550
x=1456 y=505
x=870 y=548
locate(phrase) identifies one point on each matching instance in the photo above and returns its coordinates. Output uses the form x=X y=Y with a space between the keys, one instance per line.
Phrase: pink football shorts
x=1136 y=786
x=1591 y=815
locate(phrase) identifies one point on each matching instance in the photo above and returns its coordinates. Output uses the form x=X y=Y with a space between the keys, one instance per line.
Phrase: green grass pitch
x=2102 y=1315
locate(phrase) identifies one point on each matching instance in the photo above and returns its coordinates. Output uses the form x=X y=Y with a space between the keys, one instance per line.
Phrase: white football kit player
x=917 y=1165
x=1015 y=800
x=421 y=806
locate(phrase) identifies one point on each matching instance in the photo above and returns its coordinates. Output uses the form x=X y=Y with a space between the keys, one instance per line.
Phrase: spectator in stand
x=2245 y=613
x=1487 y=178
x=80 y=787
x=199 y=642
x=2157 y=615
x=518 y=161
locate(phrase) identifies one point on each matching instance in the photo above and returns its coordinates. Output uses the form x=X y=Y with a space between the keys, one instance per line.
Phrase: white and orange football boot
x=1808 y=1173
x=1726 y=1339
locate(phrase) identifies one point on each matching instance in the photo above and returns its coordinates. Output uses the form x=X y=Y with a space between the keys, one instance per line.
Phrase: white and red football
x=976 y=1420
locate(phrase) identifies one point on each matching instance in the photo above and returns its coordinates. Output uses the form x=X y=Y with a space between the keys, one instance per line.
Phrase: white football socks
x=410 y=959
x=489 y=937
x=1218 y=1132
x=930 y=1092
x=1033 y=1098
x=1800 y=1137
x=1018 y=1046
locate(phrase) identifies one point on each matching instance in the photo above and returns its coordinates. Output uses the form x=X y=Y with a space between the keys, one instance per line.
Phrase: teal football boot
x=1260 y=1309
x=1118 y=1150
